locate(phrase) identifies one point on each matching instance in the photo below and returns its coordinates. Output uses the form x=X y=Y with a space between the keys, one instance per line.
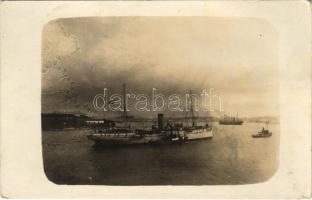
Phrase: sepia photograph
x=155 y=99
x=160 y=100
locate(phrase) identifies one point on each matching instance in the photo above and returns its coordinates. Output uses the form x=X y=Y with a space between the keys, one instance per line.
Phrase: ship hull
x=199 y=136
x=262 y=135
x=231 y=123
x=107 y=140
x=132 y=139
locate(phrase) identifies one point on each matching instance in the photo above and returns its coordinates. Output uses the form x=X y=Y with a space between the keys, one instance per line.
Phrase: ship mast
x=267 y=124
x=124 y=104
x=192 y=110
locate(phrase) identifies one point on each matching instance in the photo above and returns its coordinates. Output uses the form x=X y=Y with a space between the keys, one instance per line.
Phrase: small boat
x=263 y=133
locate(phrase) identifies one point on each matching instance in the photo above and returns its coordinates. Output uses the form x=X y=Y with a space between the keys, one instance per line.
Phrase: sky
x=237 y=57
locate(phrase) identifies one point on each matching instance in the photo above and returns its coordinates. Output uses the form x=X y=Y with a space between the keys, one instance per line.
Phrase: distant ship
x=263 y=133
x=231 y=120
x=162 y=134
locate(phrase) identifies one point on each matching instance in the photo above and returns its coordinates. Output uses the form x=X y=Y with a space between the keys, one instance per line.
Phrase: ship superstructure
x=165 y=132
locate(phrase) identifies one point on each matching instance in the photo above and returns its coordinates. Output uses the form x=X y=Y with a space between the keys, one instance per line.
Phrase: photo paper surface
x=160 y=99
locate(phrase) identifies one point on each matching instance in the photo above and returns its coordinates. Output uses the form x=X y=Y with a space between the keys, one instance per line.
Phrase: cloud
x=237 y=57
x=58 y=46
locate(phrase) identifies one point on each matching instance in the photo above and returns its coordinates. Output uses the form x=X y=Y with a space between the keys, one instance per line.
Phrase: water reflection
x=231 y=157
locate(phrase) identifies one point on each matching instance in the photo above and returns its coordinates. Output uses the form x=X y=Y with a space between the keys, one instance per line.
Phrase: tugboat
x=263 y=133
x=231 y=120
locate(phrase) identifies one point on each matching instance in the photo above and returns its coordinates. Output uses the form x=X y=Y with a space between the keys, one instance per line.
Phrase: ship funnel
x=160 y=121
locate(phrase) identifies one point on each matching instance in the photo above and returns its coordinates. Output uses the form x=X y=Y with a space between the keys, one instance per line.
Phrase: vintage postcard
x=192 y=99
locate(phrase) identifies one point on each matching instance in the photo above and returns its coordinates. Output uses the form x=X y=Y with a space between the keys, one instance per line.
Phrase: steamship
x=231 y=120
x=161 y=134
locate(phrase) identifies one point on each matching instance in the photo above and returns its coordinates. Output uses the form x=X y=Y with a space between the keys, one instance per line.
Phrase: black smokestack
x=160 y=121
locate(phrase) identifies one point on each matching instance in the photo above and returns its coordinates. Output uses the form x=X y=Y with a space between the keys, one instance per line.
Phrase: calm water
x=231 y=157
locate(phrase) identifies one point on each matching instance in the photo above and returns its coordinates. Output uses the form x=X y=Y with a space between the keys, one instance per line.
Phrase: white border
x=21 y=157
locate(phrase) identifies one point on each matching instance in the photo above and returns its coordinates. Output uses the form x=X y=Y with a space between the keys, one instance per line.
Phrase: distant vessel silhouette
x=227 y=120
x=263 y=133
